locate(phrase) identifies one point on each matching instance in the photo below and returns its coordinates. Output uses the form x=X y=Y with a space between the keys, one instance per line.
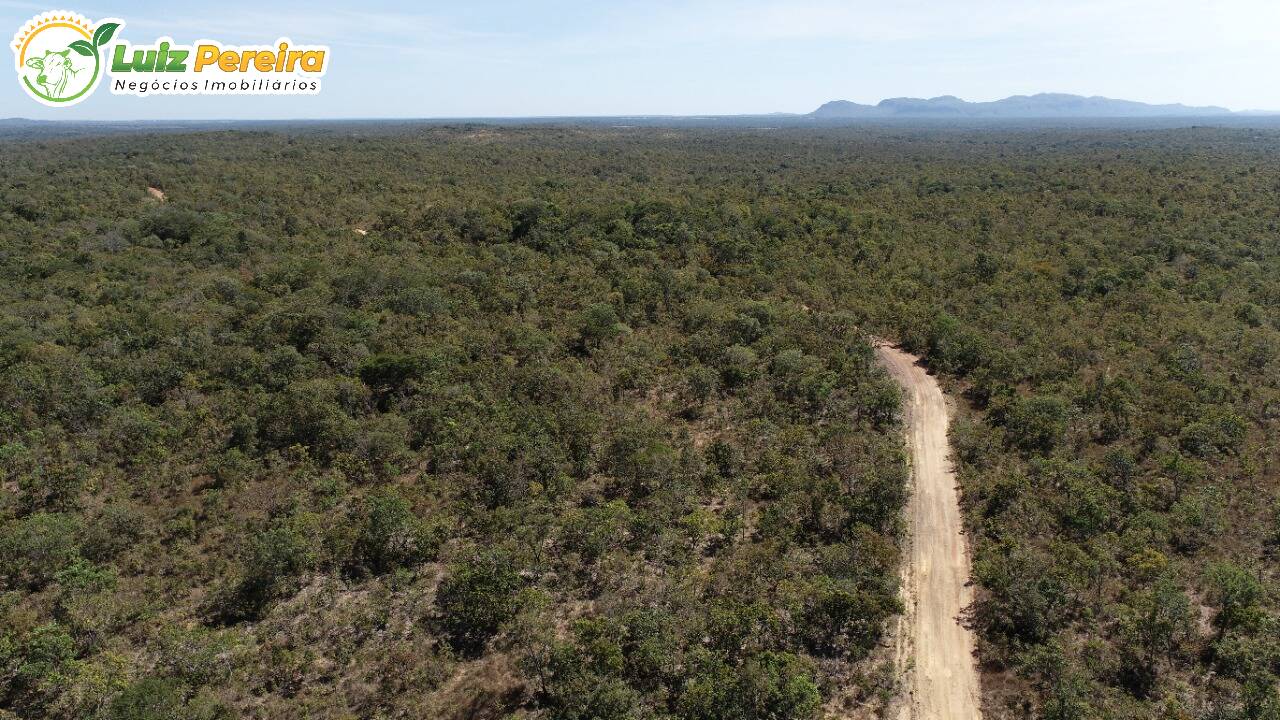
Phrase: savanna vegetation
x=584 y=422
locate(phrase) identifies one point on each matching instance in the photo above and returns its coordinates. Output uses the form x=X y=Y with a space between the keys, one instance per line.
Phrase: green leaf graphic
x=103 y=34
x=82 y=47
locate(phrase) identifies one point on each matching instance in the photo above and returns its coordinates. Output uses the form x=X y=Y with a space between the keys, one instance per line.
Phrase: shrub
x=1153 y=627
x=276 y=556
x=43 y=666
x=1197 y=518
x=778 y=686
x=117 y=527
x=1026 y=600
x=640 y=458
x=576 y=694
x=390 y=536
x=599 y=323
x=388 y=372
x=843 y=621
x=148 y=699
x=35 y=548
x=739 y=366
x=476 y=598
x=175 y=226
x=1218 y=433
x=954 y=348
x=1236 y=592
x=1038 y=423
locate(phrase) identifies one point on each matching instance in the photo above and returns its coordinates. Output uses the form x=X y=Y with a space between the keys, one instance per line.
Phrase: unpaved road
x=943 y=679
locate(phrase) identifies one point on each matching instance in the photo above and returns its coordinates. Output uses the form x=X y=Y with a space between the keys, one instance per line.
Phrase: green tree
x=1154 y=626
x=34 y=549
x=1039 y=423
x=476 y=598
x=1236 y=591
x=390 y=535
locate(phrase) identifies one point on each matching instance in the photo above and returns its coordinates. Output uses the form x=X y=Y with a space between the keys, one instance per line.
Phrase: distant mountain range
x=1044 y=105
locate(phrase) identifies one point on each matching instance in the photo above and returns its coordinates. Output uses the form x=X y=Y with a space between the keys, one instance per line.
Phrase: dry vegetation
x=587 y=425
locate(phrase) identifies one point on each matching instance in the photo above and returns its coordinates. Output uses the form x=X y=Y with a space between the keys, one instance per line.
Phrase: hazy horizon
x=1252 y=113
x=567 y=58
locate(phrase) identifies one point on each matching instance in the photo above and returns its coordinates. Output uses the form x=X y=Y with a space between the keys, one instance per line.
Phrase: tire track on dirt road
x=935 y=650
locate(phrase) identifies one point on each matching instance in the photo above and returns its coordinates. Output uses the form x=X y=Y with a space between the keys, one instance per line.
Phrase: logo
x=60 y=56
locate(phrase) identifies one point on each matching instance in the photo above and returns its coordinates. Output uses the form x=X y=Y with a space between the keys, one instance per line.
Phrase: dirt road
x=935 y=650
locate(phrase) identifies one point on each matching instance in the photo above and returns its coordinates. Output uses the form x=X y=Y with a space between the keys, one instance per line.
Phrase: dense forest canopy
x=584 y=422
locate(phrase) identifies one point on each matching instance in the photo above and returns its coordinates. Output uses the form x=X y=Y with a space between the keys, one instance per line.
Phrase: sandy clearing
x=156 y=193
x=935 y=649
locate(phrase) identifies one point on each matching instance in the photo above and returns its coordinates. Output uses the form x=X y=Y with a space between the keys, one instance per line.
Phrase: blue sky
x=583 y=57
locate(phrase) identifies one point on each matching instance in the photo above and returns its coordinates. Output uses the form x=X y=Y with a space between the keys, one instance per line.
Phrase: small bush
x=33 y=550
x=476 y=598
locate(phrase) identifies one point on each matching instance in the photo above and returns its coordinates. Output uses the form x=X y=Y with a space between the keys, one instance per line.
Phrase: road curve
x=943 y=679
